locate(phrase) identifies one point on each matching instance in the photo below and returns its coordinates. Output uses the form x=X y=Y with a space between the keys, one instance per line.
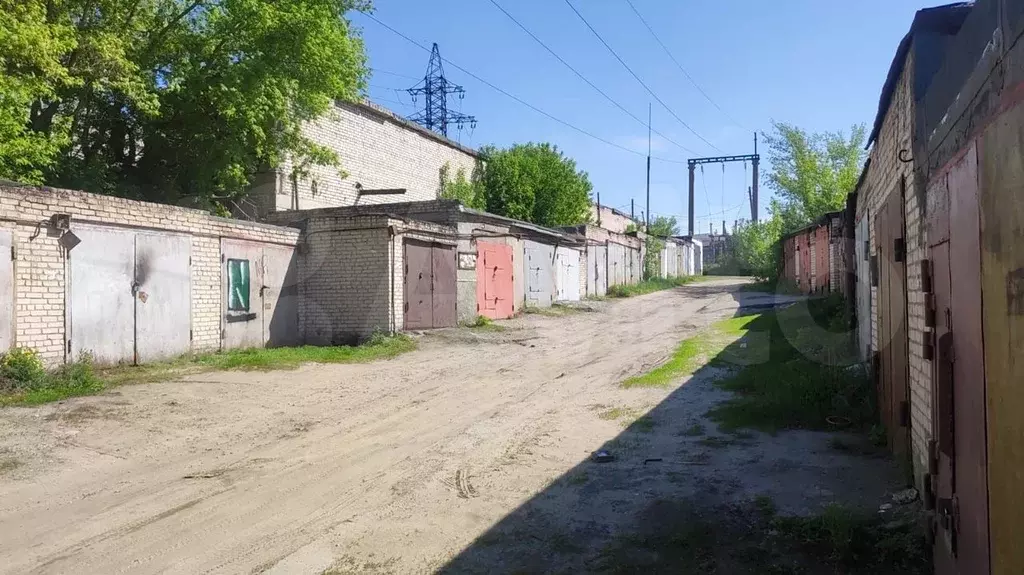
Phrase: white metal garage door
x=6 y=291
x=567 y=281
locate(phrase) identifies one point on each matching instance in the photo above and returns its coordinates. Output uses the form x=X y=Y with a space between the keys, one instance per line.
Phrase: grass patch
x=649 y=286
x=484 y=324
x=644 y=424
x=692 y=353
x=82 y=378
x=694 y=430
x=778 y=286
x=717 y=441
x=8 y=463
x=556 y=310
x=614 y=413
x=578 y=478
x=795 y=372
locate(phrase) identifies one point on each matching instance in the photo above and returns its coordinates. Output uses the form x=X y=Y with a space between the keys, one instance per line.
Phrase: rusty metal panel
x=567 y=282
x=241 y=305
x=6 y=291
x=540 y=284
x=495 y=285
x=419 y=306
x=280 y=296
x=443 y=287
x=102 y=305
x=968 y=366
x=1001 y=171
x=163 y=298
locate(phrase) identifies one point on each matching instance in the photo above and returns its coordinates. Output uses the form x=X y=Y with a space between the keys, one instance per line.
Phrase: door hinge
x=223 y=334
x=928 y=497
x=221 y=258
x=14 y=254
x=190 y=335
x=928 y=346
x=190 y=261
x=899 y=249
x=929 y=310
x=69 y=346
x=405 y=307
x=926 y=276
x=874 y=271
x=904 y=414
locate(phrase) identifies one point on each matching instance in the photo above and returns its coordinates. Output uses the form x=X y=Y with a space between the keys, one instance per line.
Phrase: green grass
x=81 y=378
x=794 y=373
x=694 y=430
x=692 y=353
x=556 y=310
x=649 y=286
x=482 y=323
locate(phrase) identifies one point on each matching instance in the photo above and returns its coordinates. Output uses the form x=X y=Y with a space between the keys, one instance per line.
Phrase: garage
x=494 y=280
x=567 y=274
x=6 y=292
x=129 y=295
x=429 y=285
x=260 y=295
x=597 y=270
x=540 y=277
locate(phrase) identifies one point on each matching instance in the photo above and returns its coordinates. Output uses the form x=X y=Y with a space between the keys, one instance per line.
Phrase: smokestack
x=724 y=229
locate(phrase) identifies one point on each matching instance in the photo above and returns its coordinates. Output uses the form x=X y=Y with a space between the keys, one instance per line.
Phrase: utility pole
x=435 y=87
x=647 y=222
x=632 y=215
x=756 y=162
x=753 y=158
x=598 y=209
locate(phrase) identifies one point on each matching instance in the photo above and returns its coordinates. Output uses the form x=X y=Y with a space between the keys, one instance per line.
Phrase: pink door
x=494 y=291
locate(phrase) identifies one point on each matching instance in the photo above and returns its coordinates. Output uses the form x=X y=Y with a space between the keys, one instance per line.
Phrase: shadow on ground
x=681 y=495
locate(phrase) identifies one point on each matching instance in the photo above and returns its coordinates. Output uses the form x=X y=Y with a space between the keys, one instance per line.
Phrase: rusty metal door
x=893 y=373
x=163 y=296
x=443 y=287
x=958 y=458
x=419 y=305
x=279 y=293
x=495 y=287
x=6 y=291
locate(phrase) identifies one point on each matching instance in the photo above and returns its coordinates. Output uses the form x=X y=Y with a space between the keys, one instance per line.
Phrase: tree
x=468 y=191
x=664 y=226
x=536 y=183
x=169 y=99
x=812 y=173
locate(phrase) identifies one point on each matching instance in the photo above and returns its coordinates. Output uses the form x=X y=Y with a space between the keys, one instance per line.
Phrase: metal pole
x=690 y=214
x=753 y=207
x=632 y=215
x=599 y=209
x=647 y=222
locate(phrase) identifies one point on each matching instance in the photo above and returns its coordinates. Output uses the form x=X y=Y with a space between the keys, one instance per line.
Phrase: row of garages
x=818 y=258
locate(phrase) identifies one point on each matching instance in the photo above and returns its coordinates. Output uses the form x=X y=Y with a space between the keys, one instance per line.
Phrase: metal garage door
x=260 y=295
x=495 y=290
x=597 y=270
x=280 y=297
x=6 y=291
x=130 y=295
x=567 y=281
x=540 y=284
x=429 y=285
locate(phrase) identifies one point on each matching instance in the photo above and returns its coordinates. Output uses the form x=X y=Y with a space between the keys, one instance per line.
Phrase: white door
x=568 y=274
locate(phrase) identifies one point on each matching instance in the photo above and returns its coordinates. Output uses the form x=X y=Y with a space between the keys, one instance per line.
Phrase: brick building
x=384 y=158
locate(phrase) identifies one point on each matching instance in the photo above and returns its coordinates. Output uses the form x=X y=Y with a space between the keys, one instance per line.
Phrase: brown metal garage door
x=429 y=285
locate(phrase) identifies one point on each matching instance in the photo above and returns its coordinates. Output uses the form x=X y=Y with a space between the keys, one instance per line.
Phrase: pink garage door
x=494 y=292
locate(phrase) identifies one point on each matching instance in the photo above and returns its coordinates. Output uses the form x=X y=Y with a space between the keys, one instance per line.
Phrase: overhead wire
x=680 y=66
x=520 y=100
x=584 y=78
x=638 y=79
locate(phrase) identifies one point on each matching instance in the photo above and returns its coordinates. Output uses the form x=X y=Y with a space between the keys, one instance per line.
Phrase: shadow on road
x=675 y=473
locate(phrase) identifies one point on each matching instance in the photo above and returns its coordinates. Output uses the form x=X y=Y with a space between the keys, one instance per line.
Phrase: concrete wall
x=610 y=219
x=377 y=150
x=41 y=263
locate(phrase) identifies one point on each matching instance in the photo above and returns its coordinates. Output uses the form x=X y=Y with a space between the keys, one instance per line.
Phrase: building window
x=238 y=285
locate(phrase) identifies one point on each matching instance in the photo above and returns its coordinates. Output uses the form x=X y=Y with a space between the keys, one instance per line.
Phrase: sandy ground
x=470 y=454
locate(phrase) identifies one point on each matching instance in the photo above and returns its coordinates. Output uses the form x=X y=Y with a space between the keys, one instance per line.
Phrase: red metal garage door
x=494 y=281
x=429 y=285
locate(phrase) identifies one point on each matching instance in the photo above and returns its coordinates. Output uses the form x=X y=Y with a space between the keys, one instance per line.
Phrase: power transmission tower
x=436 y=89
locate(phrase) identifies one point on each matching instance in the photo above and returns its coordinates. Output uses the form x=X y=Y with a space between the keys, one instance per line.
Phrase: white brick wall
x=883 y=179
x=40 y=264
x=377 y=150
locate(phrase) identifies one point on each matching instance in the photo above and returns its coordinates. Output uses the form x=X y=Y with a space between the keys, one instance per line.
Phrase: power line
x=518 y=99
x=396 y=74
x=642 y=83
x=584 y=78
x=680 y=66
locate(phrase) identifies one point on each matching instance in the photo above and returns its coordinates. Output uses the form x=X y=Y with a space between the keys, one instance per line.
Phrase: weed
x=649 y=286
x=693 y=431
x=878 y=436
x=484 y=323
x=643 y=424
x=616 y=413
x=556 y=310
x=765 y=505
x=717 y=441
x=8 y=463
x=382 y=347
x=70 y=380
x=578 y=478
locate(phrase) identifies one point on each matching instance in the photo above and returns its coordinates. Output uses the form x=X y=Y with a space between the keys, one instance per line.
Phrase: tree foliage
x=811 y=174
x=536 y=183
x=469 y=191
x=167 y=99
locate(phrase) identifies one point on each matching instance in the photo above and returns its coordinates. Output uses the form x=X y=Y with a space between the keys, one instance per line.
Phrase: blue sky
x=819 y=64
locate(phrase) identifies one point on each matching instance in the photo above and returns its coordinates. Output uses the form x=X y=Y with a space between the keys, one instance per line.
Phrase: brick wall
x=377 y=150
x=610 y=219
x=41 y=263
x=886 y=176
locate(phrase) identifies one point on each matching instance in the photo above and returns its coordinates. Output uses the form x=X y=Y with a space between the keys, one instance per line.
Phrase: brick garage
x=352 y=273
x=377 y=150
x=41 y=264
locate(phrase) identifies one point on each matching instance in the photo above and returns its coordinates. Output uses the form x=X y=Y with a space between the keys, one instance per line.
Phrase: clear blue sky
x=819 y=64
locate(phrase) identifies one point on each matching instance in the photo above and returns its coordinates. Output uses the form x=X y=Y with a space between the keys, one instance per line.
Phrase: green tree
x=169 y=99
x=468 y=191
x=812 y=173
x=536 y=183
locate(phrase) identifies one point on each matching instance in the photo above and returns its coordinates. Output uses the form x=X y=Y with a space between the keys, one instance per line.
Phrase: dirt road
x=390 y=467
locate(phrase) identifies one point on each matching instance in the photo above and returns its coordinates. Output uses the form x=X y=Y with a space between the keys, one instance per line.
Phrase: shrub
x=21 y=368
